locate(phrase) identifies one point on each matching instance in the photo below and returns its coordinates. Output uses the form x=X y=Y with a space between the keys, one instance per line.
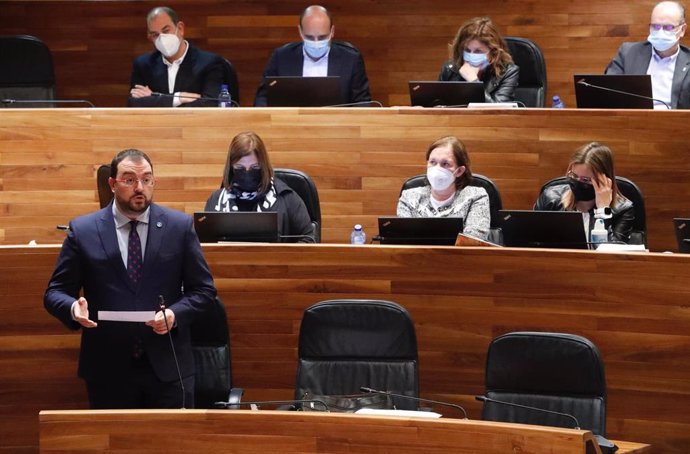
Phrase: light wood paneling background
x=358 y=158
x=633 y=307
x=94 y=42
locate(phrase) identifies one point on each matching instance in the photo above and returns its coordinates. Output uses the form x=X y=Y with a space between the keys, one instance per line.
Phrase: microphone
x=46 y=101
x=371 y=103
x=200 y=98
x=364 y=389
x=235 y=405
x=299 y=237
x=620 y=92
x=526 y=407
x=161 y=302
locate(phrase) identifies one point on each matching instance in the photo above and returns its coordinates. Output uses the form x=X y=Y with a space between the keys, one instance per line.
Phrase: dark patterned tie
x=134 y=254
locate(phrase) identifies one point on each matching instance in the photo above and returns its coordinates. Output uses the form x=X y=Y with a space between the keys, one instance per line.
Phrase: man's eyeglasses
x=664 y=27
x=131 y=181
x=570 y=175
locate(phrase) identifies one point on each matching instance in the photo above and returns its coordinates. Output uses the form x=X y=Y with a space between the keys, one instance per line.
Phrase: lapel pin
x=159 y=224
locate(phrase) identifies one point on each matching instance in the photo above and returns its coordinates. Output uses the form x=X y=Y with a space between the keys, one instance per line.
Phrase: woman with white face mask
x=448 y=193
x=479 y=53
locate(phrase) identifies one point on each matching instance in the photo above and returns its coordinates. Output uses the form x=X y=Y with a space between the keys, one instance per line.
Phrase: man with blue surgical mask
x=177 y=74
x=317 y=55
x=661 y=56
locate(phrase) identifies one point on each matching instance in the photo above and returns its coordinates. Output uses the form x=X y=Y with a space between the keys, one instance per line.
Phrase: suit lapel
x=108 y=236
x=679 y=75
x=157 y=227
x=185 y=72
x=160 y=74
x=641 y=61
x=297 y=61
x=334 y=63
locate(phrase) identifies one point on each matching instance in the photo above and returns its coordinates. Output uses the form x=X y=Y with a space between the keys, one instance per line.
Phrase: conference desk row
x=358 y=157
x=634 y=307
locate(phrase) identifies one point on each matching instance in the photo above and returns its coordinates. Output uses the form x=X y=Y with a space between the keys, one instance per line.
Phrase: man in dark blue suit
x=176 y=69
x=317 y=55
x=127 y=257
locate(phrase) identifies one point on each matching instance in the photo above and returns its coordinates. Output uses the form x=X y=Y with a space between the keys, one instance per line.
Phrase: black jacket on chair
x=344 y=61
x=620 y=225
x=496 y=88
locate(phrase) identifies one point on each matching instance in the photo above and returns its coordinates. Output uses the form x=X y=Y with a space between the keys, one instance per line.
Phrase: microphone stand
x=620 y=92
x=46 y=101
x=365 y=389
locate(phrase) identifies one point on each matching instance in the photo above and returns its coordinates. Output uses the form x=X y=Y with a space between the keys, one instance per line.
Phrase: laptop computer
x=682 y=228
x=637 y=91
x=298 y=91
x=241 y=226
x=424 y=231
x=543 y=229
x=445 y=93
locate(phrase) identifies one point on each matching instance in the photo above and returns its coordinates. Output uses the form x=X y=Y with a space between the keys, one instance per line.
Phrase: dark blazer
x=620 y=224
x=90 y=260
x=496 y=88
x=200 y=72
x=293 y=217
x=633 y=58
x=344 y=61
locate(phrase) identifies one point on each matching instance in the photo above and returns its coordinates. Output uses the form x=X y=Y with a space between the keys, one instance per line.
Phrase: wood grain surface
x=633 y=307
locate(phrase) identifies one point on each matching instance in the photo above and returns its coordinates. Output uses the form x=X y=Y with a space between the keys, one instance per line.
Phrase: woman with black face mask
x=592 y=190
x=249 y=185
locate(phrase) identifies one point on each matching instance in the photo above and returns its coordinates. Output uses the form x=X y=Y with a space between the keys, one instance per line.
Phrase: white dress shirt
x=661 y=69
x=173 y=68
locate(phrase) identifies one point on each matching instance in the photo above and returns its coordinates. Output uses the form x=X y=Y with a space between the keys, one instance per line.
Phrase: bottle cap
x=358 y=227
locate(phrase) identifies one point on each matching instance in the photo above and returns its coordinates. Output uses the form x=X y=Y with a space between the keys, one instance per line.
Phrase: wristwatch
x=603 y=213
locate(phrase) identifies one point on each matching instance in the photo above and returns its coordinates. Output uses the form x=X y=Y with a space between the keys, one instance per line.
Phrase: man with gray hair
x=661 y=56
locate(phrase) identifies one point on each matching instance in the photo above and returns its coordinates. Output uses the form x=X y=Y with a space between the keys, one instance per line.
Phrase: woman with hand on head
x=448 y=193
x=592 y=190
x=479 y=53
x=249 y=185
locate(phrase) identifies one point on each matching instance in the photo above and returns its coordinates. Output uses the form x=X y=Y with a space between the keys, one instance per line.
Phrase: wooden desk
x=634 y=307
x=358 y=158
x=194 y=431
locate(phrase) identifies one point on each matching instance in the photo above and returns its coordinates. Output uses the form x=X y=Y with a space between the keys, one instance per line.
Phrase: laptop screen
x=298 y=91
x=682 y=228
x=608 y=91
x=424 y=231
x=242 y=226
x=445 y=93
x=543 y=229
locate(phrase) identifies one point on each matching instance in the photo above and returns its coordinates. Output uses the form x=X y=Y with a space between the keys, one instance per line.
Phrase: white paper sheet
x=126 y=316
x=406 y=413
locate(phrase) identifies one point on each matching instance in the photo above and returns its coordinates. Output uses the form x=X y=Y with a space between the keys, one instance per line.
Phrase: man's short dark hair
x=163 y=9
x=133 y=153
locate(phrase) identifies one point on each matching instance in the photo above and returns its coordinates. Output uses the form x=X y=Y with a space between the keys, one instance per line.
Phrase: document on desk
x=406 y=413
x=126 y=316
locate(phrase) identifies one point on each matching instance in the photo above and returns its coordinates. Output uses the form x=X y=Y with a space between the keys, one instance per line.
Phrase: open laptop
x=682 y=228
x=244 y=226
x=425 y=231
x=445 y=93
x=543 y=229
x=637 y=91
x=298 y=91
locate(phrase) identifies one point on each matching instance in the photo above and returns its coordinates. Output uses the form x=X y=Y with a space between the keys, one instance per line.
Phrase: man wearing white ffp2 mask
x=449 y=193
x=317 y=55
x=661 y=56
x=177 y=73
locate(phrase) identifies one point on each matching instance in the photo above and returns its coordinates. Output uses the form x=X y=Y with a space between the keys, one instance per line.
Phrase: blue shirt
x=661 y=69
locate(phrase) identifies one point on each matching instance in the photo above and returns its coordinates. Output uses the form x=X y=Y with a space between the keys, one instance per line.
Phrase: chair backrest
x=105 y=194
x=553 y=371
x=630 y=191
x=27 y=70
x=211 y=347
x=531 y=89
x=304 y=186
x=495 y=202
x=230 y=78
x=346 y=344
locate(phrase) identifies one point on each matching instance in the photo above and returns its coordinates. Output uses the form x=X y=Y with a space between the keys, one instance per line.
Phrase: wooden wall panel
x=94 y=43
x=358 y=158
x=632 y=306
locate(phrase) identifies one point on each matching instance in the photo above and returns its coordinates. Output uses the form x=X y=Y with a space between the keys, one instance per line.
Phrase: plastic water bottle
x=358 y=236
x=557 y=103
x=224 y=98
x=599 y=234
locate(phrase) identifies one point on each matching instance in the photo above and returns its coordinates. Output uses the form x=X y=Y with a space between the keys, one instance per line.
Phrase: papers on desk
x=126 y=316
x=615 y=247
x=405 y=413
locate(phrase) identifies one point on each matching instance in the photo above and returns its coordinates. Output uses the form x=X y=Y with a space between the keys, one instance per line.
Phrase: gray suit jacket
x=633 y=58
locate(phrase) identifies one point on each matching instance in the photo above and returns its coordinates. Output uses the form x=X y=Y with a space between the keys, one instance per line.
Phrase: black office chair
x=553 y=371
x=230 y=78
x=346 y=344
x=105 y=194
x=304 y=186
x=27 y=72
x=630 y=191
x=495 y=202
x=531 y=89
x=211 y=348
